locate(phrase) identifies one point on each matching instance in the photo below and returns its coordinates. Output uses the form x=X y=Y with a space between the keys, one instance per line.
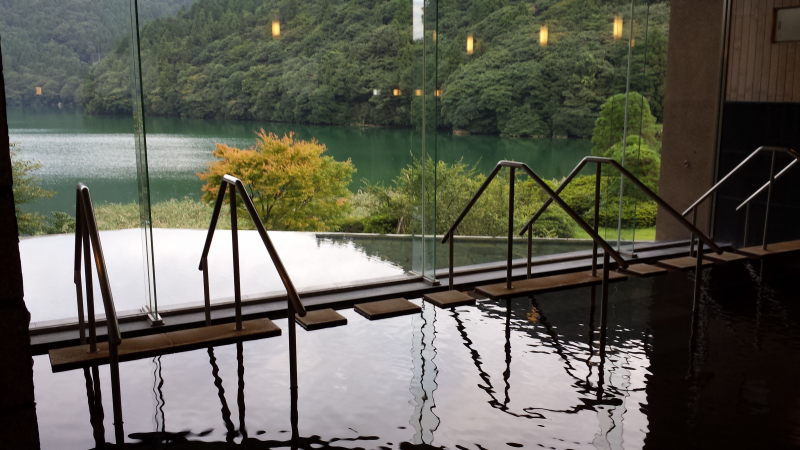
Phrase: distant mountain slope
x=219 y=59
x=53 y=43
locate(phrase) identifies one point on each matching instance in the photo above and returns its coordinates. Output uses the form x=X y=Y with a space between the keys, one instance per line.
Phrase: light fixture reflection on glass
x=617 y=32
x=544 y=36
x=437 y=92
x=434 y=35
x=418 y=92
x=276 y=28
x=396 y=92
x=470 y=44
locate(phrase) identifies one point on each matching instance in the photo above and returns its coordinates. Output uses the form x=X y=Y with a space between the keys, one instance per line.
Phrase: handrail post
x=237 y=290
x=746 y=224
x=450 y=261
x=77 y=271
x=530 y=251
x=292 y=349
x=89 y=286
x=597 y=178
x=694 y=224
x=606 y=264
x=113 y=356
x=769 y=200
x=206 y=292
x=509 y=257
x=698 y=270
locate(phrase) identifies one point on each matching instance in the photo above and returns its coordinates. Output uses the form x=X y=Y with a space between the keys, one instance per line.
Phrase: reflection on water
x=581 y=375
x=467 y=251
x=423 y=387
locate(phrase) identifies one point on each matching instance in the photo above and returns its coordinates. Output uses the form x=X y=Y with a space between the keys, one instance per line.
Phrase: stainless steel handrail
x=87 y=240
x=768 y=186
x=598 y=160
x=735 y=170
x=449 y=236
x=295 y=305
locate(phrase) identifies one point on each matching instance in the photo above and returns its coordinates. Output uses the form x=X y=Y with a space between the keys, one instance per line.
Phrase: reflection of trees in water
x=468 y=251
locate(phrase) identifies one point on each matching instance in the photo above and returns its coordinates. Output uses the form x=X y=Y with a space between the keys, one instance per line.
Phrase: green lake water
x=99 y=151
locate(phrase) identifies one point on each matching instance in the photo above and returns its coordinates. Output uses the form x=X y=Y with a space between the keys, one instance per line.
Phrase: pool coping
x=273 y=305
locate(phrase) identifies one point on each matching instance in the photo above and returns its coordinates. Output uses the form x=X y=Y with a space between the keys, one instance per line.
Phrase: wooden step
x=725 y=257
x=644 y=270
x=383 y=309
x=772 y=249
x=68 y=358
x=449 y=299
x=547 y=284
x=321 y=318
x=683 y=262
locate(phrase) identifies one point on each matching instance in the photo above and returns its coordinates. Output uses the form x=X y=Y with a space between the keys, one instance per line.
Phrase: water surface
x=532 y=373
x=100 y=151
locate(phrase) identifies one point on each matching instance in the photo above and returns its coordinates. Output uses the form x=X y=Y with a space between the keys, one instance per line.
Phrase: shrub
x=610 y=125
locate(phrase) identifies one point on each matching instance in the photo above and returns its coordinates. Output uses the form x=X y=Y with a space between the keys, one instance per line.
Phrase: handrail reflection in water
x=591 y=398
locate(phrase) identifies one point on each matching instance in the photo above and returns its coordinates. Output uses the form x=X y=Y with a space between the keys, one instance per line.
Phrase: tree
x=400 y=206
x=293 y=185
x=27 y=189
x=641 y=159
x=610 y=125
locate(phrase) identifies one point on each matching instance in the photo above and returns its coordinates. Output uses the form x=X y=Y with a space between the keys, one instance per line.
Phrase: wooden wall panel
x=760 y=70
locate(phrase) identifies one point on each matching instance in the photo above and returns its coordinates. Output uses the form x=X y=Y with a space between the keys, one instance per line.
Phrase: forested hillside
x=53 y=43
x=339 y=61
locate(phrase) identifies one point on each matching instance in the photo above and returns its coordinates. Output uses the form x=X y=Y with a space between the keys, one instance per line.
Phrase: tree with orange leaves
x=294 y=186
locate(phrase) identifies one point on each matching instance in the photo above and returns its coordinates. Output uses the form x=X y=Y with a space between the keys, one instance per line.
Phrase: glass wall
x=360 y=128
x=51 y=52
x=546 y=84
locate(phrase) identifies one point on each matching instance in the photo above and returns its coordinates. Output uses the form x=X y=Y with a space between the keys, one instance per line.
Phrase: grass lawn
x=628 y=234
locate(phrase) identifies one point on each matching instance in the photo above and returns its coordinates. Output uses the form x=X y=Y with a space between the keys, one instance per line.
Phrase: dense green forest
x=340 y=62
x=52 y=44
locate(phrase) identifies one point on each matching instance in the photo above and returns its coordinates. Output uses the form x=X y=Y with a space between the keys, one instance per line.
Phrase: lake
x=99 y=151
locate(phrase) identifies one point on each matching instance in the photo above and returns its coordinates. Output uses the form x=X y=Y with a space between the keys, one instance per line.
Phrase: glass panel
x=639 y=137
x=428 y=151
x=142 y=174
x=348 y=77
x=70 y=122
x=545 y=85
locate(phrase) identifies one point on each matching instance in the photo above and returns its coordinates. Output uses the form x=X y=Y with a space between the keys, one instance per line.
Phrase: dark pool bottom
x=533 y=373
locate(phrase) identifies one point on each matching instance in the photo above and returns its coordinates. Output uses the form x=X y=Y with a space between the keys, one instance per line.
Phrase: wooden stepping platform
x=725 y=257
x=547 y=284
x=383 y=309
x=68 y=358
x=772 y=249
x=321 y=318
x=449 y=299
x=683 y=262
x=644 y=270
